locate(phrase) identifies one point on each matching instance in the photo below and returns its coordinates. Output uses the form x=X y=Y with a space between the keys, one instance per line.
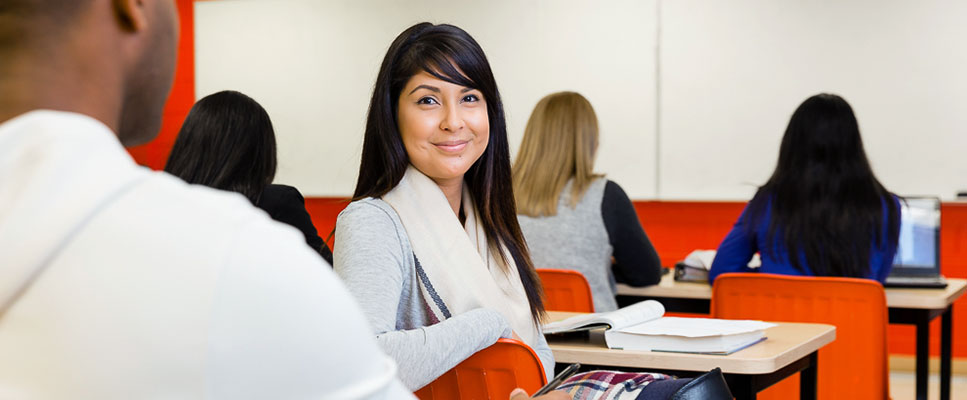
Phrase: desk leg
x=946 y=334
x=743 y=387
x=807 y=378
x=923 y=354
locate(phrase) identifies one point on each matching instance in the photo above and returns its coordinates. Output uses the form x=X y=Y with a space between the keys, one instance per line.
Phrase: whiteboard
x=692 y=95
x=312 y=65
x=732 y=73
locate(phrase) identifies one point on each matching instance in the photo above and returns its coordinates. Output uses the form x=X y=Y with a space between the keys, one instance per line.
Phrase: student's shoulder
x=612 y=194
x=372 y=221
x=611 y=187
x=370 y=210
x=209 y=226
x=897 y=200
x=172 y=198
x=186 y=212
x=280 y=201
x=279 y=191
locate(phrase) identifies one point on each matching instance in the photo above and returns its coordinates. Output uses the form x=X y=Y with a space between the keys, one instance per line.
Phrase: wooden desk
x=930 y=299
x=790 y=348
x=906 y=306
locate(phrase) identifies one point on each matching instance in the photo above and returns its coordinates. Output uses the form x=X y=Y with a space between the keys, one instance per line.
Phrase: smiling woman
x=444 y=128
x=431 y=246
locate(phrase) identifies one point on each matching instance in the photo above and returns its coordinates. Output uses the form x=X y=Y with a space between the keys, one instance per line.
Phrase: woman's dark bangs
x=441 y=66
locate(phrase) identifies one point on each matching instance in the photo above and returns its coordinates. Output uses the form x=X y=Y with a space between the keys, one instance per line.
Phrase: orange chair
x=491 y=373
x=566 y=290
x=854 y=366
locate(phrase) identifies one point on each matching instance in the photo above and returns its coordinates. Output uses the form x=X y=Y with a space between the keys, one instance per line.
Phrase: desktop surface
x=785 y=344
x=932 y=299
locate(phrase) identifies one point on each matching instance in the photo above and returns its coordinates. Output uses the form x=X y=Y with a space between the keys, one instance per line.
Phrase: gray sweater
x=372 y=255
x=575 y=239
x=584 y=238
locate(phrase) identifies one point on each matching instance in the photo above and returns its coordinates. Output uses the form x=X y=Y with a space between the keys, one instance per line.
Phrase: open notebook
x=642 y=326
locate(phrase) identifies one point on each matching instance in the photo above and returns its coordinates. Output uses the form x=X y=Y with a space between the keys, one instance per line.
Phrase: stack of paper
x=641 y=327
x=688 y=335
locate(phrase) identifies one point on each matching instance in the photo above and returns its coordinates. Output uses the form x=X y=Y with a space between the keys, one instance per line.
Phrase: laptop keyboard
x=916 y=281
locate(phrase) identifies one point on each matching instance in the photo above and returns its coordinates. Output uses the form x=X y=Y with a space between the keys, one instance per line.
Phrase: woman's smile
x=452 y=146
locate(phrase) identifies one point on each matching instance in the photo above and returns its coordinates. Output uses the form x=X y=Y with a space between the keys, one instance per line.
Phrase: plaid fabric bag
x=609 y=385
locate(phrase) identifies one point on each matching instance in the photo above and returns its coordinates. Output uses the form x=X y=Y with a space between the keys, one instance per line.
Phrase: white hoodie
x=168 y=291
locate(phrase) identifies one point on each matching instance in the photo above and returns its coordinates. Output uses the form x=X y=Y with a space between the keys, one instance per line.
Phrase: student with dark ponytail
x=823 y=212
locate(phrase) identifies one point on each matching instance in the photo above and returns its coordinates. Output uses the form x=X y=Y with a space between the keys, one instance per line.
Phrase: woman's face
x=444 y=126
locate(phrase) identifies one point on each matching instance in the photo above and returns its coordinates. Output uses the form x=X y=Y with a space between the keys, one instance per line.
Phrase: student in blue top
x=823 y=212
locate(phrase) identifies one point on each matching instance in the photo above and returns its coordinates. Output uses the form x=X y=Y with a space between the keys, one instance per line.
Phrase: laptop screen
x=918 y=246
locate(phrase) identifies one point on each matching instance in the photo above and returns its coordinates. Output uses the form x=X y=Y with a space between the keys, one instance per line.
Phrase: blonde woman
x=571 y=217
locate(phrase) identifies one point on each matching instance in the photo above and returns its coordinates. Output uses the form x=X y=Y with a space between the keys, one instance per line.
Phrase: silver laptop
x=917 y=261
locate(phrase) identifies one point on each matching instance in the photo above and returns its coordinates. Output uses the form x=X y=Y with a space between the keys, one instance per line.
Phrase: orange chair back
x=491 y=373
x=854 y=366
x=566 y=290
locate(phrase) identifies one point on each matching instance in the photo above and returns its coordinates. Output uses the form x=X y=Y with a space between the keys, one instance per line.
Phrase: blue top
x=740 y=245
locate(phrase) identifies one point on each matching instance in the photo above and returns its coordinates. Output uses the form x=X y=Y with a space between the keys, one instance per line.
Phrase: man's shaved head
x=113 y=60
x=26 y=21
x=56 y=8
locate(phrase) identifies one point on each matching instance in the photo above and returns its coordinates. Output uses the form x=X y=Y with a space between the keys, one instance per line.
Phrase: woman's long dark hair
x=227 y=142
x=823 y=202
x=444 y=51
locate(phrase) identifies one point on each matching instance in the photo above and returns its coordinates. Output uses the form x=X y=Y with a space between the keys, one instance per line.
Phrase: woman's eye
x=471 y=98
x=426 y=101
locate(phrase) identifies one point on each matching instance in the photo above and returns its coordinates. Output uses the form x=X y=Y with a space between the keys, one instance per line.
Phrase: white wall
x=733 y=72
x=312 y=65
x=728 y=76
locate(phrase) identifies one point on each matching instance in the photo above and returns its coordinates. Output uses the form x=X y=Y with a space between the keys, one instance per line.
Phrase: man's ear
x=131 y=14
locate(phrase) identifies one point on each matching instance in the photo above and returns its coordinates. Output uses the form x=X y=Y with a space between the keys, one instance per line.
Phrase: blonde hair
x=560 y=143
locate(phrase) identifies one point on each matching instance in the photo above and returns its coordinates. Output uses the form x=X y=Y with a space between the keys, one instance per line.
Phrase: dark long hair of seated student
x=823 y=212
x=227 y=142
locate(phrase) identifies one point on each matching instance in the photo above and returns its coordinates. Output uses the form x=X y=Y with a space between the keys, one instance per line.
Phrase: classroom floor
x=903 y=386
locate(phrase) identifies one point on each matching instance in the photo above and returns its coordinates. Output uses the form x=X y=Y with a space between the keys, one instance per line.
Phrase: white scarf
x=457 y=270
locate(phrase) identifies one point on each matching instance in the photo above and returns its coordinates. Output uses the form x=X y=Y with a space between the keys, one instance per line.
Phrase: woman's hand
x=520 y=394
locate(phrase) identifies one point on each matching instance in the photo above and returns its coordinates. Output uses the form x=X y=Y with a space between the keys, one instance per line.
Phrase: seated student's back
x=823 y=212
x=227 y=142
x=119 y=282
x=571 y=217
x=166 y=280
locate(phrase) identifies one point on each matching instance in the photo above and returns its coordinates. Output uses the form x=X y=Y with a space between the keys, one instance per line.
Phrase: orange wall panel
x=678 y=227
x=323 y=211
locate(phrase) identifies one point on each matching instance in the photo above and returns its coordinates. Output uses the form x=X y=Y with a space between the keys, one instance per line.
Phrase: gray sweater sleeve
x=544 y=352
x=373 y=257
